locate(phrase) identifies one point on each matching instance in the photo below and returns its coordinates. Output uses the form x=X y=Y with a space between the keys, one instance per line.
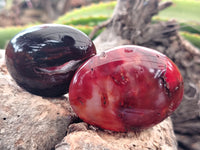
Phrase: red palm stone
x=126 y=88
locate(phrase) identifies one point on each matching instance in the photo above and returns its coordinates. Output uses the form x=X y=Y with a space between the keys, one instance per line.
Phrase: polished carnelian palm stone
x=126 y=88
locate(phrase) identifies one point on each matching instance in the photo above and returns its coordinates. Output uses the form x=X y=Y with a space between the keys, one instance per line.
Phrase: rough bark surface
x=187 y=117
x=29 y=122
x=84 y=137
x=133 y=26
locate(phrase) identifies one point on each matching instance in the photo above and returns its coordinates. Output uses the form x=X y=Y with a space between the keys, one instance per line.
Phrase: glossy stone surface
x=126 y=88
x=43 y=59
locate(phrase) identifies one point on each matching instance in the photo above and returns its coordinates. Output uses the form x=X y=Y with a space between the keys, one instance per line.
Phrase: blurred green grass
x=193 y=38
x=7 y=33
x=182 y=11
x=93 y=11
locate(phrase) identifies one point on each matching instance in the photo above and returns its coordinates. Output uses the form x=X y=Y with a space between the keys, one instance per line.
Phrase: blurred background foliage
x=16 y=15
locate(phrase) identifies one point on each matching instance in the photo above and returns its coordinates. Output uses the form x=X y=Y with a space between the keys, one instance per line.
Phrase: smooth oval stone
x=126 y=88
x=43 y=59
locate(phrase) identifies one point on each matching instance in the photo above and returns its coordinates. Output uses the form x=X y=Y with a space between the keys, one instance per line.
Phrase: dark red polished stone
x=43 y=59
x=126 y=88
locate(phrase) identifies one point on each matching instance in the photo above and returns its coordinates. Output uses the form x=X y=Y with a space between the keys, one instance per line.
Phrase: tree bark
x=82 y=137
x=29 y=122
